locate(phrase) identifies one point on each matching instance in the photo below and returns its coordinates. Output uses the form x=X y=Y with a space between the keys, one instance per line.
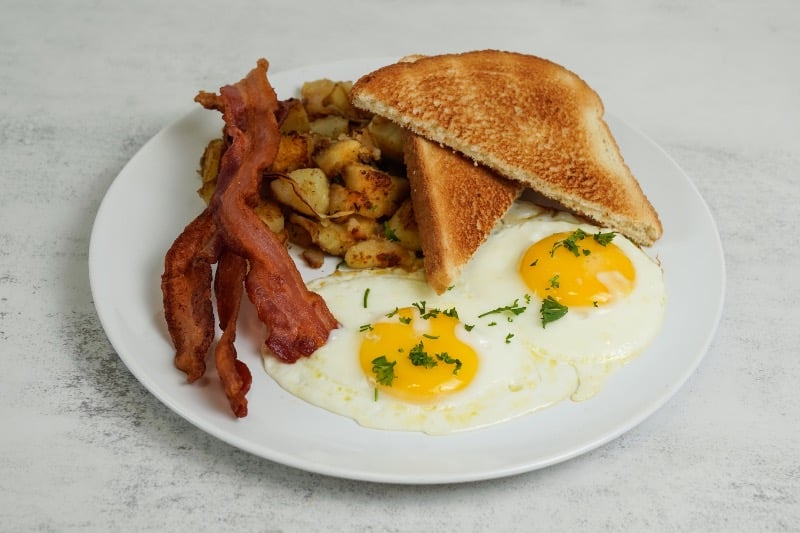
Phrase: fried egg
x=544 y=311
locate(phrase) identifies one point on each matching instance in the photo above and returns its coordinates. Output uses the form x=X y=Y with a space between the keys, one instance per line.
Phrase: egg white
x=524 y=367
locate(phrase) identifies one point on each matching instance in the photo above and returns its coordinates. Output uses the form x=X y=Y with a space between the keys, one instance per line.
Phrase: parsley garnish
x=509 y=337
x=551 y=310
x=383 y=370
x=554 y=282
x=604 y=238
x=365 y=327
x=389 y=232
x=452 y=313
x=420 y=306
x=534 y=263
x=469 y=327
x=392 y=313
x=514 y=308
x=419 y=357
x=366 y=296
x=570 y=242
x=433 y=337
x=404 y=319
x=445 y=358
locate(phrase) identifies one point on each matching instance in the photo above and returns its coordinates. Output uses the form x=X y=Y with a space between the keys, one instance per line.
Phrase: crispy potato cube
x=314 y=94
x=209 y=168
x=336 y=155
x=313 y=257
x=383 y=191
x=301 y=230
x=334 y=238
x=305 y=190
x=270 y=214
x=387 y=137
x=296 y=119
x=362 y=228
x=294 y=151
x=403 y=227
x=343 y=201
x=330 y=126
x=326 y=97
x=378 y=253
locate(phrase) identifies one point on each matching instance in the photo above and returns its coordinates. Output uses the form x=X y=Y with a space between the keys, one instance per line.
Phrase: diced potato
x=313 y=257
x=403 y=227
x=362 y=228
x=302 y=231
x=209 y=168
x=314 y=94
x=296 y=119
x=343 y=201
x=294 y=151
x=270 y=214
x=305 y=190
x=335 y=156
x=383 y=191
x=387 y=137
x=376 y=253
x=330 y=126
x=326 y=97
x=333 y=238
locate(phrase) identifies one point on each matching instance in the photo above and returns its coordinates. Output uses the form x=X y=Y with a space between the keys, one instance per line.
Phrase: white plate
x=153 y=198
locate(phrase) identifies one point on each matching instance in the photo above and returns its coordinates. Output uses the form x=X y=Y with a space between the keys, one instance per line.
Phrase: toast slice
x=456 y=205
x=526 y=118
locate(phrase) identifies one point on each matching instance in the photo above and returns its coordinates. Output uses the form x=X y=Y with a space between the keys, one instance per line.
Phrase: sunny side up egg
x=546 y=309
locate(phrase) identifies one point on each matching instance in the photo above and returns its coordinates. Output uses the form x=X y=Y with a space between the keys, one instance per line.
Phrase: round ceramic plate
x=154 y=197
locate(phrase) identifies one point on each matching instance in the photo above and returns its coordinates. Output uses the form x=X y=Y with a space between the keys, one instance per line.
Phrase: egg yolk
x=577 y=269
x=417 y=356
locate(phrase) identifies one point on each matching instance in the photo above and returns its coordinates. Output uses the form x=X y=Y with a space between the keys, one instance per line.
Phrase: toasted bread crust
x=527 y=118
x=456 y=205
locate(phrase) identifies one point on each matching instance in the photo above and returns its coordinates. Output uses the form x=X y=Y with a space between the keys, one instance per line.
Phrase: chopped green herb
x=389 y=232
x=434 y=337
x=419 y=357
x=570 y=242
x=392 y=313
x=509 y=337
x=554 y=282
x=527 y=298
x=375 y=395
x=420 y=306
x=450 y=288
x=514 y=308
x=492 y=324
x=534 y=263
x=365 y=327
x=469 y=327
x=452 y=313
x=604 y=238
x=366 y=296
x=443 y=357
x=404 y=319
x=383 y=370
x=432 y=313
x=551 y=310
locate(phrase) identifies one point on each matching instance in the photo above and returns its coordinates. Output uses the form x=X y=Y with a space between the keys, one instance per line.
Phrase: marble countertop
x=84 y=85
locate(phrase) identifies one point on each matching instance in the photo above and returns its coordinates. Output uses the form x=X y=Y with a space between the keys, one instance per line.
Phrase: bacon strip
x=186 y=288
x=249 y=255
x=298 y=320
x=228 y=288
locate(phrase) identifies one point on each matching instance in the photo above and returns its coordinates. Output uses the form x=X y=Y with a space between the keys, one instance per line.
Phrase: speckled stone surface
x=84 y=447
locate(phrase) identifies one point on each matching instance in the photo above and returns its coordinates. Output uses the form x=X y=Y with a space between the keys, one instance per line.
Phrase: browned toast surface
x=526 y=118
x=456 y=205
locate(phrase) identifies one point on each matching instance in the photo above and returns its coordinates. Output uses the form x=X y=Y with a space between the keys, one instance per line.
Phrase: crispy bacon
x=228 y=288
x=298 y=320
x=186 y=286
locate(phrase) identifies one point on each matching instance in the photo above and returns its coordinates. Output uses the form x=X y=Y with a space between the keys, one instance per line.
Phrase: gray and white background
x=84 y=84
